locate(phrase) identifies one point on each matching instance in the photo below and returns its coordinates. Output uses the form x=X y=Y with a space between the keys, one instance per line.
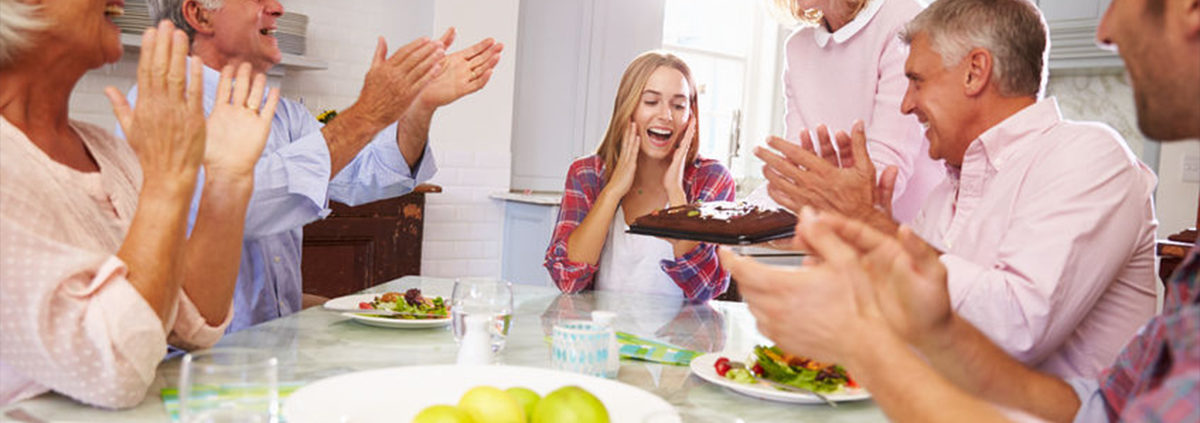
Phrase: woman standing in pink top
x=845 y=63
x=97 y=270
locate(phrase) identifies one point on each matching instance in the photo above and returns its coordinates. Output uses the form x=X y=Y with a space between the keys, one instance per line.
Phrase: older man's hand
x=462 y=72
x=239 y=123
x=392 y=83
x=839 y=182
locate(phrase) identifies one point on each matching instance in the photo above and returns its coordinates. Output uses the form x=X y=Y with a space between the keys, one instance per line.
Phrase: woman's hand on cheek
x=673 y=179
x=622 y=177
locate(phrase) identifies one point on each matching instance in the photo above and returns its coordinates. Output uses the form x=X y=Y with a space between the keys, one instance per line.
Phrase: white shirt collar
x=822 y=35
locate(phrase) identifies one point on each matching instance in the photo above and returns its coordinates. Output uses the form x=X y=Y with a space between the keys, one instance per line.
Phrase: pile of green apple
x=488 y=404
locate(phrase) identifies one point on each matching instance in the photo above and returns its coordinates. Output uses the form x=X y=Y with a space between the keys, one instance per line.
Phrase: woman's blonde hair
x=788 y=15
x=18 y=22
x=629 y=94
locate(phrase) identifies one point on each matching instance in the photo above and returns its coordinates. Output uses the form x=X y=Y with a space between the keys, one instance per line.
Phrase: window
x=732 y=49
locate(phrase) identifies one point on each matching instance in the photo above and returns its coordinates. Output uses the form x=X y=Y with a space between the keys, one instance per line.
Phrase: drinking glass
x=229 y=385
x=481 y=296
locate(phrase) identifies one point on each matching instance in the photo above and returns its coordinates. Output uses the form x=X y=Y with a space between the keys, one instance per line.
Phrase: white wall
x=1177 y=199
x=470 y=138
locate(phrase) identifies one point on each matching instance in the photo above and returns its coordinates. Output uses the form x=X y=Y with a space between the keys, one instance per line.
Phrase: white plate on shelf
x=352 y=301
x=397 y=394
x=703 y=366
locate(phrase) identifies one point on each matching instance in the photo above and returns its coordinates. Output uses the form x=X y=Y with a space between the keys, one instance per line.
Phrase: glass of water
x=482 y=296
x=229 y=385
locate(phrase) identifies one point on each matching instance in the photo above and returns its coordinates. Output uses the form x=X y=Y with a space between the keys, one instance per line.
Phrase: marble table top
x=316 y=344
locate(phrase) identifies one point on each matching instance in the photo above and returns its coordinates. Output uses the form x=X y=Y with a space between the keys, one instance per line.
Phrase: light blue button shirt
x=292 y=188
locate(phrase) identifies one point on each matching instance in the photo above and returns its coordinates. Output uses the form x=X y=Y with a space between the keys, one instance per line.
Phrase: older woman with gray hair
x=98 y=271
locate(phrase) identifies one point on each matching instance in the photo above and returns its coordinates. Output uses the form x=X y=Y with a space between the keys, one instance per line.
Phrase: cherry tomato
x=364 y=305
x=758 y=370
x=722 y=366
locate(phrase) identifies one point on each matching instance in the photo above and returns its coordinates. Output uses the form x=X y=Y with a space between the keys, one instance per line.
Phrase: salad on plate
x=776 y=365
x=411 y=304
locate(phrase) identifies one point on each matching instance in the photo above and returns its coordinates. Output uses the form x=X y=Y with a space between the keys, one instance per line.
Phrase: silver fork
x=784 y=386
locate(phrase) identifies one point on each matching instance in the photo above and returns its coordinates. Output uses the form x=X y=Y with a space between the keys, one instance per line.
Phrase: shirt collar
x=995 y=142
x=822 y=35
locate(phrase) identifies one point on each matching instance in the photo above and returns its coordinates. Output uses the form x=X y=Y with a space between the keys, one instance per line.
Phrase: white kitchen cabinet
x=1073 y=46
x=528 y=223
x=570 y=57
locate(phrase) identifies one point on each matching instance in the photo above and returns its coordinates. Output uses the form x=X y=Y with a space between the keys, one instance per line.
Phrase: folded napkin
x=638 y=348
x=170 y=396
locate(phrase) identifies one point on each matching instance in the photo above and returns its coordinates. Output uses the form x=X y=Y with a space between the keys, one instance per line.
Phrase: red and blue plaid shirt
x=1157 y=376
x=697 y=273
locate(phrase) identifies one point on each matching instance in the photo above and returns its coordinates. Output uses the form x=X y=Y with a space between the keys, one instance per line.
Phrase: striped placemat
x=224 y=393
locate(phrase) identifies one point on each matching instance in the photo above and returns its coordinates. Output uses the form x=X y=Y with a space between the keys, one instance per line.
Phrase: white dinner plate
x=397 y=394
x=352 y=301
x=703 y=366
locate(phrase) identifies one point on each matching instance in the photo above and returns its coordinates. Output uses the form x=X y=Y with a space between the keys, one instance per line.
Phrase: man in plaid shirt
x=920 y=360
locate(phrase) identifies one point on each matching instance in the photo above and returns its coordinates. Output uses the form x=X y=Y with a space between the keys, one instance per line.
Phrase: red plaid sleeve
x=584 y=181
x=698 y=273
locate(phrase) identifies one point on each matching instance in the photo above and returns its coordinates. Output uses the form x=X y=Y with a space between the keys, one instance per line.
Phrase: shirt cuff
x=389 y=153
x=133 y=326
x=679 y=263
x=1092 y=407
x=191 y=330
x=307 y=164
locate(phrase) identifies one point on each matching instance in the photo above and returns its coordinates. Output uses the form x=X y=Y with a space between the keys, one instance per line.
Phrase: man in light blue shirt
x=375 y=149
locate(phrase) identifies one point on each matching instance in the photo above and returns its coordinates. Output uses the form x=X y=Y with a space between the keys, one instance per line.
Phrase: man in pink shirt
x=849 y=66
x=1021 y=218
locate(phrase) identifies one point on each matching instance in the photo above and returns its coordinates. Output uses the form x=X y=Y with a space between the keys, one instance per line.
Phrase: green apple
x=570 y=404
x=442 y=414
x=527 y=398
x=488 y=404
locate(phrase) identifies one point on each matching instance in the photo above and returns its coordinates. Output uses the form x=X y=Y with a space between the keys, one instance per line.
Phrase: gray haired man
x=375 y=149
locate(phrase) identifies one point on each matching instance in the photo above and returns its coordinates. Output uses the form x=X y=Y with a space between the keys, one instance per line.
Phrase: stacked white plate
x=136 y=18
x=291 y=30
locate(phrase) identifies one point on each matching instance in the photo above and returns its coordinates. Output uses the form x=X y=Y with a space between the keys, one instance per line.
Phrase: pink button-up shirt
x=1048 y=234
x=70 y=321
x=857 y=72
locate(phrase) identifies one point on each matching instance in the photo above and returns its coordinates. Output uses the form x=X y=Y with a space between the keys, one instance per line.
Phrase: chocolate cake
x=724 y=222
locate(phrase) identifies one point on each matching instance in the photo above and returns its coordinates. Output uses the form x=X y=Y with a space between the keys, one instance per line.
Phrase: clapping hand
x=166 y=129
x=462 y=72
x=237 y=128
x=844 y=183
x=673 y=179
x=392 y=83
x=809 y=310
x=908 y=280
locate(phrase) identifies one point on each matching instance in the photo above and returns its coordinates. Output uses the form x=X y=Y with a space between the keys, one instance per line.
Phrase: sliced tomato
x=850 y=382
x=722 y=366
x=758 y=370
x=364 y=305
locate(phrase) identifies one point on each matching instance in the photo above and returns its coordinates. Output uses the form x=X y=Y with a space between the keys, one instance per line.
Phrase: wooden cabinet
x=359 y=247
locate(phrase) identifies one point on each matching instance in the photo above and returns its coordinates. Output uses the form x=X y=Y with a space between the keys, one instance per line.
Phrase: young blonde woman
x=646 y=161
x=843 y=63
